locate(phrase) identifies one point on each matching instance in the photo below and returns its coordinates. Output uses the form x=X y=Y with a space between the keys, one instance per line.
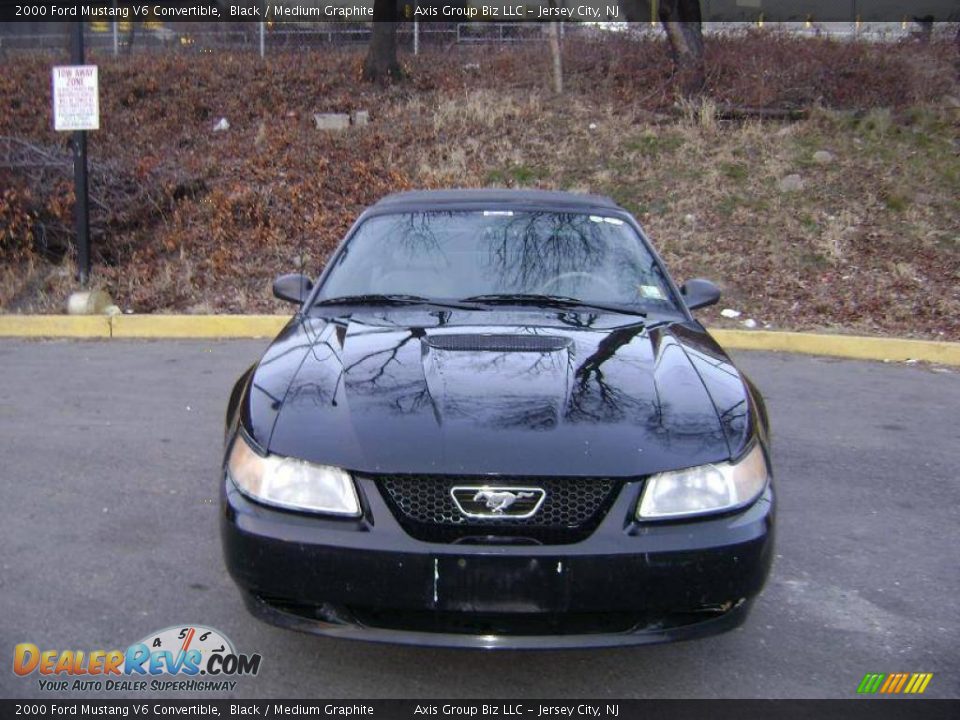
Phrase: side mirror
x=699 y=293
x=292 y=288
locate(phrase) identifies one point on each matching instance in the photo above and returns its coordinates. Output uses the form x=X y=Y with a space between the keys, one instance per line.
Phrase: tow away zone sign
x=76 y=98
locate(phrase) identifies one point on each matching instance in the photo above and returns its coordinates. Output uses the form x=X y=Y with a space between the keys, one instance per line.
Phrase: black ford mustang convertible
x=493 y=422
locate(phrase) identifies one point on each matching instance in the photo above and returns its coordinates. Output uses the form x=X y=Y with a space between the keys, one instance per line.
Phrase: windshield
x=463 y=254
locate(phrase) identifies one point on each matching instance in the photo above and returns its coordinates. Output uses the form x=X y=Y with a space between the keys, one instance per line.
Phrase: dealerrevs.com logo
x=177 y=658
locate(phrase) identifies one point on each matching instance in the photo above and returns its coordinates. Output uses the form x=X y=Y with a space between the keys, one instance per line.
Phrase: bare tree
x=684 y=25
x=131 y=35
x=683 y=22
x=381 y=63
x=926 y=28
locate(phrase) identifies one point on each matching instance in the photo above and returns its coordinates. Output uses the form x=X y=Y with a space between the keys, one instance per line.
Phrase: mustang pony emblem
x=507 y=502
x=500 y=500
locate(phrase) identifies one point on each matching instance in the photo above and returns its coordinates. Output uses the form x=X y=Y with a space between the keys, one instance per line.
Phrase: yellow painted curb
x=197 y=326
x=267 y=326
x=54 y=326
x=848 y=346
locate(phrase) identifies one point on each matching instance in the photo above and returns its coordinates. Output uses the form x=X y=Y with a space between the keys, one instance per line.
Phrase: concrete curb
x=267 y=326
x=72 y=326
x=195 y=326
x=848 y=346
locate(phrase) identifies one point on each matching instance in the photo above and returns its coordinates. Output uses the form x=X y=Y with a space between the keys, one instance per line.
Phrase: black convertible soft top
x=547 y=199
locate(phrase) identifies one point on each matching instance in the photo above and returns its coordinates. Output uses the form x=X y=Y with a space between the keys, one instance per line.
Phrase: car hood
x=491 y=392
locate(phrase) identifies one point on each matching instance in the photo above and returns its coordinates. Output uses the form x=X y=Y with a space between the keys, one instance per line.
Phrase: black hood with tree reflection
x=372 y=391
x=493 y=384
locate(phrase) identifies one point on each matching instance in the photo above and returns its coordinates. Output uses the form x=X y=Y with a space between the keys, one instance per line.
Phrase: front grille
x=571 y=511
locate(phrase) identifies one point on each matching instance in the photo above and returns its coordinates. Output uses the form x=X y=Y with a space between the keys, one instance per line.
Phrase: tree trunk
x=925 y=24
x=381 y=62
x=130 y=38
x=683 y=24
x=956 y=44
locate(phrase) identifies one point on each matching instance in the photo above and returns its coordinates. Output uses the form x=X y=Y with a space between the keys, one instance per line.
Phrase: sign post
x=76 y=108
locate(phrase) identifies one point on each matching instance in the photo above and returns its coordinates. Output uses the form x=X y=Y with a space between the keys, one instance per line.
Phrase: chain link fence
x=205 y=37
x=143 y=37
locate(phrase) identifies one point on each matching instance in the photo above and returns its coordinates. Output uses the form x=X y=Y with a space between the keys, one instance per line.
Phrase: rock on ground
x=791 y=183
x=823 y=157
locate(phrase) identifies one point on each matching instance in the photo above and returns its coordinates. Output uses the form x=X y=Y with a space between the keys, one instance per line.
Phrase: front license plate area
x=500 y=584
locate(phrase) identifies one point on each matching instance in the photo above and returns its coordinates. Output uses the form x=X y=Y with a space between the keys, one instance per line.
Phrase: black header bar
x=311 y=11
x=432 y=709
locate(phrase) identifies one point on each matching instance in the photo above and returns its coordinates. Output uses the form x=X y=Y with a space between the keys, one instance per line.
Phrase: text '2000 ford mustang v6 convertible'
x=494 y=422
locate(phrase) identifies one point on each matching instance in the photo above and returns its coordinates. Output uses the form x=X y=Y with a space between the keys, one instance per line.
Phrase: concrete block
x=331 y=121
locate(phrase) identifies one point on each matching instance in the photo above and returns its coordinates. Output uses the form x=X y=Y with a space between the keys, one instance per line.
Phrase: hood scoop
x=497 y=343
x=496 y=380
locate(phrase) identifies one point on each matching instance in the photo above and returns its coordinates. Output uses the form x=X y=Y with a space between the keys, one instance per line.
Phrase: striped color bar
x=918 y=683
x=870 y=683
x=894 y=683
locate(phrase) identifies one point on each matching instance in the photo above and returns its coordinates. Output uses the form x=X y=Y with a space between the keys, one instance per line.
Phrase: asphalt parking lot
x=108 y=528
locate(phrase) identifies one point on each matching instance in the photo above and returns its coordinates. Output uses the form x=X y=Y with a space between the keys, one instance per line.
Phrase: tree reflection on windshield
x=457 y=254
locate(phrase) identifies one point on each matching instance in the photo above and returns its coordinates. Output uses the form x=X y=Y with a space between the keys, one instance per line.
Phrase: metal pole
x=553 y=31
x=81 y=206
x=416 y=37
x=262 y=39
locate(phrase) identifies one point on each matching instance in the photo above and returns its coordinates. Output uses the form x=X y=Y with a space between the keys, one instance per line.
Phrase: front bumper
x=628 y=583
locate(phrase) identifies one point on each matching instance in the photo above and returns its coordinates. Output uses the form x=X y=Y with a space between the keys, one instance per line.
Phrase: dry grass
x=870 y=244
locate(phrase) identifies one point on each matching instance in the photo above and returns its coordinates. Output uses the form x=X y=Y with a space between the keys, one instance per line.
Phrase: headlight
x=291 y=483
x=704 y=489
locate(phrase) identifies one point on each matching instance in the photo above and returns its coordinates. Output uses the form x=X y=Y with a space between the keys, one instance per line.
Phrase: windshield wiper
x=554 y=301
x=388 y=299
